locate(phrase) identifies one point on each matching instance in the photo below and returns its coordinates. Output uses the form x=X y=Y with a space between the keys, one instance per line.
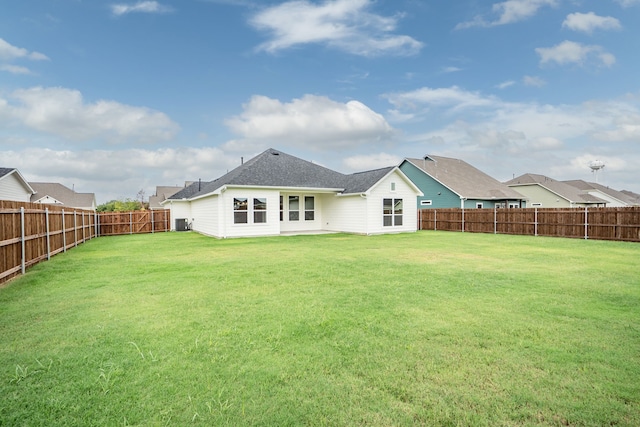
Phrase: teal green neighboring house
x=453 y=183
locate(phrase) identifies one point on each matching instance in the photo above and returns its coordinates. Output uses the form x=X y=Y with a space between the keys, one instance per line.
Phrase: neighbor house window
x=391 y=212
x=536 y=205
x=294 y=208
x=479 y=205
x=393 y=186
x=426 y=202
x=514 y=205
x=309 y=208
x=500 y=205
x=259 y=210
x=240 y=210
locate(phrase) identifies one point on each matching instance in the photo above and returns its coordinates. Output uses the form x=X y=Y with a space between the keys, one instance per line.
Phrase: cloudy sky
x=115 y=97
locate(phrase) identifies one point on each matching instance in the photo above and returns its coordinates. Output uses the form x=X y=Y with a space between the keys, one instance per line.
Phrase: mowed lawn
x=429 y=328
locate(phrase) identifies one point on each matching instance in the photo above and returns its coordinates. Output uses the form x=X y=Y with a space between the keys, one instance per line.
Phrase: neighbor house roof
x=635 y=197
x=6 y=172
x=463 y=179
x=273 y=168
x=45 y=191
x=162 y=193
x=562 y=189
x=590 y=186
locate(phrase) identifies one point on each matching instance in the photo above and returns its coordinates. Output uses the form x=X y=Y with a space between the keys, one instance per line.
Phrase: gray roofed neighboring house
x=276 y=193
x=448 y=182
x=162 y=194
x=634 y=197
x=546 y=192
x=613 y=197
x=13 y=186
x=58 y=194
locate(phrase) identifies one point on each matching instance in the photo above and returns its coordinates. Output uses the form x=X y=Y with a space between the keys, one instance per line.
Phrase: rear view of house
x=275 y=193
x=13 y=186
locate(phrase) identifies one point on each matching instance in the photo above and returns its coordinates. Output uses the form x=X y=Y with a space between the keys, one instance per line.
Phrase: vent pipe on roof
x=242 y=160
x=199 y=183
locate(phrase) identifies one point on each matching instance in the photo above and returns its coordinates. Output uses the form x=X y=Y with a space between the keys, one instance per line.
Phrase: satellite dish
x=595 y=166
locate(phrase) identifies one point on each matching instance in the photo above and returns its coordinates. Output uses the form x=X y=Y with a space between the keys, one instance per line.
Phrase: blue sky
x=114 y=97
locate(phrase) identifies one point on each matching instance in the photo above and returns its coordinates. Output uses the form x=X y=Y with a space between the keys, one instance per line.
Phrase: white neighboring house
x=275 y=193
x=13 y=186
x=57 y=194
x=614 y=198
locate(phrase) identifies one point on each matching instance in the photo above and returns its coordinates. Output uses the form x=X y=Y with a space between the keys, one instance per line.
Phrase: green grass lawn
x=429 y=328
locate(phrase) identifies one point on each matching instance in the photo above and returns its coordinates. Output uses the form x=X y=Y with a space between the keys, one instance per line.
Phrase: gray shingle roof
x=5 y=171
x=63 y=194
x=464 y=179
x=587 y=186
x=273 y=168
x=564 y=190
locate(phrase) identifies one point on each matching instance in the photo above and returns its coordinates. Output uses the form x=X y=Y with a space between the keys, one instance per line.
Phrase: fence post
x=535 y=222
x=495 y=220
x=586 y=223
x=152 y=223
x=64 y=234
x=463 y=220
x=22 y=263
x=46 y=218
x=83 y=238
x=75 y=229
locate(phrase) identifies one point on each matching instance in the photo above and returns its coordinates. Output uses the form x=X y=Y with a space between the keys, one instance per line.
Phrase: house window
x=259 y=210
x=514 y=205
x=426 y=202
x=536 y=205
x=309 y=208
x=393 y=186
x=500 y=205
x=479 y=205
x=391 y=212
x=294 y=208
x=240 y=210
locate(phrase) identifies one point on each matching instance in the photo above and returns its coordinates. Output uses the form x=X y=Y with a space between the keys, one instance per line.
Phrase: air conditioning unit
x=182 y=224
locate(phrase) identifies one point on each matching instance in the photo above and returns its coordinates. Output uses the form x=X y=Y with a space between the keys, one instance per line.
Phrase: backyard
x=426 y=328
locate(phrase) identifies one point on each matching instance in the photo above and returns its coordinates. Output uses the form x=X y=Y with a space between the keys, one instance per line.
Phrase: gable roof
x=463 y=179
x=273 y=168
x=562 y=189
x=62 y=194
x=587 y=186
x=6 y=172
x=162 y=193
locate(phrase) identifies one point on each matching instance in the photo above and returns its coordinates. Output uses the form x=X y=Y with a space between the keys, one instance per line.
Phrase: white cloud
x=452 y=97
x=506 y=84
x=63 y=112
x=569 y=52
x=341 y=24
x=314 y=121
x=371 y=161
x=15 y=69
x=141 y=7
x=588 y=22
x=628 y=3
x=533 y=81
x=508 y=12
x=451 y=69
x=10 y=52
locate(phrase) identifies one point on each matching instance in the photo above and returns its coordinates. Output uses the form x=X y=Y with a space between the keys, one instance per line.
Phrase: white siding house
x=275 y=193
x=13 y=186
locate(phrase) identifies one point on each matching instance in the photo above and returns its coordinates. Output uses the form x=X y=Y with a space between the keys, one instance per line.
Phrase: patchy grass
x=431 y=328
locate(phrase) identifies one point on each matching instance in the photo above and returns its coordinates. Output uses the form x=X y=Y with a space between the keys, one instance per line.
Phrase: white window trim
x=426 y=202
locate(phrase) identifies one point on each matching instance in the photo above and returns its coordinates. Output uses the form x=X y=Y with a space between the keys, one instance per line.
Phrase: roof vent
x=275 y=153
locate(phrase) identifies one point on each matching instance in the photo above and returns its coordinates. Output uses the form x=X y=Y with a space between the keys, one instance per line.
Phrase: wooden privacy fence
x=30 y=233
x=33 y=232
x=135 y=222
x=621 y=224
